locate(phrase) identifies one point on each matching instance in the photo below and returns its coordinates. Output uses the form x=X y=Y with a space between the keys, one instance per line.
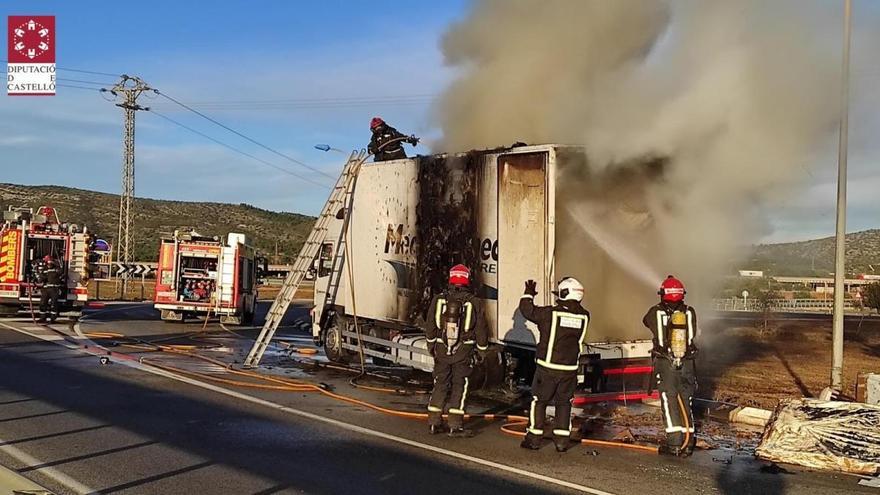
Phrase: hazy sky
x=291 y=75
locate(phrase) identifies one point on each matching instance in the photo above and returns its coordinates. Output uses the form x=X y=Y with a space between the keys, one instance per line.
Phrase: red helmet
x=47 y=258
x=376 y=122
x=671 y=290
x=459 y=276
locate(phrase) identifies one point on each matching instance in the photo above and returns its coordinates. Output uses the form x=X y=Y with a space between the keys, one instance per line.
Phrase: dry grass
x=793 y=360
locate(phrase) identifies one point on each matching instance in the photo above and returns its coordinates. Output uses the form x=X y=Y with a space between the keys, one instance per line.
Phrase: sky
x=292 y=75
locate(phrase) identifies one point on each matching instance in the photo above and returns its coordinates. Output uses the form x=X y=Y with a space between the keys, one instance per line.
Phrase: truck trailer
x=201 y=276
x=25 y=238
x=496 y=211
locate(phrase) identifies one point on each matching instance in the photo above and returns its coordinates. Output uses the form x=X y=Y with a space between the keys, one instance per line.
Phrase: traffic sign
x=132 y=269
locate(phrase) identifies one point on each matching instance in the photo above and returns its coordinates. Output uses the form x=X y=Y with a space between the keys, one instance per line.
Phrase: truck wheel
x=333 y=344
x=248 y=318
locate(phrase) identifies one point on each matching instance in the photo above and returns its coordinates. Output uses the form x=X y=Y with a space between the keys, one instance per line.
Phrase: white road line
x=345 y=426
x=50 y=472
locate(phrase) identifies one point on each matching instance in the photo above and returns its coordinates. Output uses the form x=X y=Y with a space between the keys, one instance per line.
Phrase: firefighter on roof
x=455 y=326
x=387 y=142
x=674 y=325
x=49 y=279
x=563 y=332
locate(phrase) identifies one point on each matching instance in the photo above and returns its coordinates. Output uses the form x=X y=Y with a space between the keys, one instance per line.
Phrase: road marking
x=50 y=472
x=366 y=431
x=340 y=424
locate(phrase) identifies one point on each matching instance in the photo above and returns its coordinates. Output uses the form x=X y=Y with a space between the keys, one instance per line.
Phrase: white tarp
x=842 y=436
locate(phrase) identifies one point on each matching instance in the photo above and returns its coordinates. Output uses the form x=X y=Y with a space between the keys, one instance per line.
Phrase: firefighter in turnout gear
x=563 y=332
x=456 y=325
x=387 y=142
x=674 y=325
x=49 y=279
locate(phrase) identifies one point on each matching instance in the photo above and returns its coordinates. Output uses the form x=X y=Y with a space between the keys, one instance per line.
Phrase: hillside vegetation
x=153 y=218
x=816 y=257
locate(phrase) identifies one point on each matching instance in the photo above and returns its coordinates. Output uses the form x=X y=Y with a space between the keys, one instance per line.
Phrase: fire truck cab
x=25 y=238
x=200 y=276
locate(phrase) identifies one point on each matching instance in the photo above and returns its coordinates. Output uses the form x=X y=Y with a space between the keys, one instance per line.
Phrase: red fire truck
x=201 y=276
x=25 y=238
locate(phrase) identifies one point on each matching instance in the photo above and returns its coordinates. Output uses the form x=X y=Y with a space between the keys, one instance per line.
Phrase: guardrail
x=779 y=305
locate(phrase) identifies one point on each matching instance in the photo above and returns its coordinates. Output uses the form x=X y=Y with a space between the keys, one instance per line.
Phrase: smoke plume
x=695 y=116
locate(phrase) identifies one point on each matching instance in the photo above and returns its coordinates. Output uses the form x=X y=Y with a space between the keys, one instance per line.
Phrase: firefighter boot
x=688 y=449
x=459 y=432
x=669 y=450
x=563 y=443
x=42 y=318
x=436 y=429
x=531 y=442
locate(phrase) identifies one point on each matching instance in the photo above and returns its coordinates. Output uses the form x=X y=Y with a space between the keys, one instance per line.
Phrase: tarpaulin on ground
x=842 y=436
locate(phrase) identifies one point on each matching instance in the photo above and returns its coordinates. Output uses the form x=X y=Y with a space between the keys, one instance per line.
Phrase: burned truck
x=499 y=212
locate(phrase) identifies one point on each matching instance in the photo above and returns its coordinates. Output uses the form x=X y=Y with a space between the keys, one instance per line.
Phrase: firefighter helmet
x=459 y=276
x=376 y=122
x=671 y=290
x=569 y=289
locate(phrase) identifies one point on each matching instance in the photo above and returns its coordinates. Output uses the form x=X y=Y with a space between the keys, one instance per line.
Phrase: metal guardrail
x=779 y=305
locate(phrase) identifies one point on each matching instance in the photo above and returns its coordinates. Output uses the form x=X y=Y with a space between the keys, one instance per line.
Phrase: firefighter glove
x=531 y=288
x=479 y=357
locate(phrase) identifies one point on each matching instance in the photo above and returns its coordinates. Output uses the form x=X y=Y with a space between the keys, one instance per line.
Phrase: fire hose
x=510 y=427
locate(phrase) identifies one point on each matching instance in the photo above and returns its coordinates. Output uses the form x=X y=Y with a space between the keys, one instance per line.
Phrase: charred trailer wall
x=446 y=224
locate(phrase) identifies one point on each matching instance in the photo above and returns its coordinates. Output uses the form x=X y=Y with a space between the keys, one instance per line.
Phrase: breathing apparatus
x=678 y=329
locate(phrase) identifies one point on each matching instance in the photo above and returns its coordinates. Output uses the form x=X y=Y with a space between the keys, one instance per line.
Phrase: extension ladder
x=307 y=254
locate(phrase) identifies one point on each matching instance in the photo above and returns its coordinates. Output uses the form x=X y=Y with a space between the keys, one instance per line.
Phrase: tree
x=765 y=299
x=871 y=296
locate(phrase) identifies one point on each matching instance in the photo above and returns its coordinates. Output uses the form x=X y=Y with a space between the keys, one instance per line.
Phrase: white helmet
x=569 y=289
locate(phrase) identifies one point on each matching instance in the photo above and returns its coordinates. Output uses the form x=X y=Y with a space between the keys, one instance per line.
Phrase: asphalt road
x=76 y=426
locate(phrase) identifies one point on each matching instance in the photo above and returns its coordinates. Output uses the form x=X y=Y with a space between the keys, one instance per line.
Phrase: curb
x=12 y=482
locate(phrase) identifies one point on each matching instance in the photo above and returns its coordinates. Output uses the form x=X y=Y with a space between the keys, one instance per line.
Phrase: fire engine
x=200 y=276
x=26 y=237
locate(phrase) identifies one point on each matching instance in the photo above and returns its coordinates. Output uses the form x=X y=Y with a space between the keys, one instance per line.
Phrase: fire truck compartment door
x=522 y=240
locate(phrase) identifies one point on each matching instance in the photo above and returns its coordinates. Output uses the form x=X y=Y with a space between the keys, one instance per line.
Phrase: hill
x=153 y=218
x=816 y=256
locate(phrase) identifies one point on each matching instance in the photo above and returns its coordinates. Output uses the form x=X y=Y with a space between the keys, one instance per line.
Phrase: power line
x=318 y=106
x=214 y=121
x=221 y=143
x=77 y=87
x=294 y=160
x=331 y=99
x=81 y=71
x=85 y=82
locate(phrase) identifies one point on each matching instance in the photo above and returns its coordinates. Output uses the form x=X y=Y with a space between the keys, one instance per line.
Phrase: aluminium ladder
x=307 y=254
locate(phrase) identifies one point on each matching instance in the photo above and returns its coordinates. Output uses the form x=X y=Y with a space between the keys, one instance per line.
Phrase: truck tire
x=248 y=318
x=333 y=343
